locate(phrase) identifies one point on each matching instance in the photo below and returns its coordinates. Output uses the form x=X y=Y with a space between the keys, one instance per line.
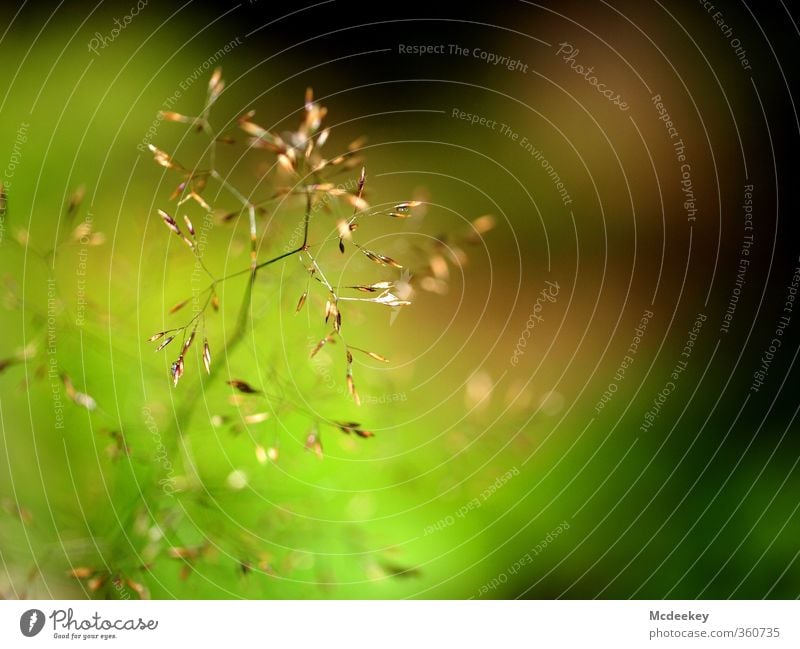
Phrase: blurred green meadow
x=485 y=477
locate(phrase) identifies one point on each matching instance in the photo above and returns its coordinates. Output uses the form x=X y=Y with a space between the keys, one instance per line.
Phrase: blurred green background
x=485 y=478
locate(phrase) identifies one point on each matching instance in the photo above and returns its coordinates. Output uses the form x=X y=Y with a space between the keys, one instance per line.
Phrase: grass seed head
x=206 y=356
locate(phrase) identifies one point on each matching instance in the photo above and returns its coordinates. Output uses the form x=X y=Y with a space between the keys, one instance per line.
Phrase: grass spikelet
x=286 y=162
x=79 y=398
x=206 y=356
x=161 y=157
x=377 y=357
x=170 y=222
x=349 y=427
x=314 y=443
x=242 y=386
x=177 y=307
x=256 y=418
x=81 y=572
x=189 y=225
x=406 y=206
x=187 y=343
x=75 y=201
x=165 y=343
x=176 y=370
x=372 y=288
x=261 y=454
x=171 y=116
x=351 y=387
x=327 y=339
x=301 y=301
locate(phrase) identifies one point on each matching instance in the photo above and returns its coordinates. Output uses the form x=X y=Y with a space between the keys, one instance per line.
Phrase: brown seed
x=261 y=454
x=156 y=336
x=95 y=583
x=372 y=256
x=389 y=261
x=439 y=267
x=382 y=260
x=301 y=301
x=242 y=386
x=161 y=157
x=170 y=222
